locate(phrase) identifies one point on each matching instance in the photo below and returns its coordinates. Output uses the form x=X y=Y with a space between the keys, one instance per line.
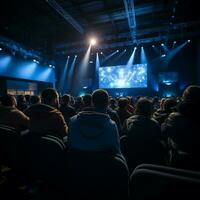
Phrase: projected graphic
x=122 y=76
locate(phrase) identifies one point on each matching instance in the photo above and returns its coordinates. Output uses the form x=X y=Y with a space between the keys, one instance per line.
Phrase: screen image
x=168 y=77
x=122 y=76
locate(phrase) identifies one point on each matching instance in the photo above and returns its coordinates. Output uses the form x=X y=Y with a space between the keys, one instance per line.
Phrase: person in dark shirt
x=67 y=110
x=122 y=110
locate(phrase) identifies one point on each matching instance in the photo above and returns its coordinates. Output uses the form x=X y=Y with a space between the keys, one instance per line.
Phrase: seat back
x=46 y=158
x=143 y=151
x=10 y=147
x=157 y=182
x=93 y=175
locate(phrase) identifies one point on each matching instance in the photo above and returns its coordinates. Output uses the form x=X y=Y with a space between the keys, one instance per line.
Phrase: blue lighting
x=4 y=61
x=162 y=44
x=0 y=49
x=189 y=41
x=134 y=76
x=36 y=61
x=163 y=55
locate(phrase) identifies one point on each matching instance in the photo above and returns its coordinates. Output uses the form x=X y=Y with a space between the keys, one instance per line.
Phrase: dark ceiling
x=37 y=25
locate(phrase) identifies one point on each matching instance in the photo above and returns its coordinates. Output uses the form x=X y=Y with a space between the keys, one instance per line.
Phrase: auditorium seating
x=93 y=175
x=45 y=157
x=139 y=152
x=159 y=182
x=11 y=152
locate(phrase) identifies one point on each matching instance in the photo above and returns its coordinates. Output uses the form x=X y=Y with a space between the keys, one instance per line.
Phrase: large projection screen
x=122 y=76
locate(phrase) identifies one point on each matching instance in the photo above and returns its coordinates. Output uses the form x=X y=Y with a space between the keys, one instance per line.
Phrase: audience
x=34 y=99
x=167 y=106
x=122 y=110
x=182 y=127
x=94 y=130
x=87 y=102
x=21 y=103
x=10 y=115
x=143 y=136
x=45 y=118
x=65 y=108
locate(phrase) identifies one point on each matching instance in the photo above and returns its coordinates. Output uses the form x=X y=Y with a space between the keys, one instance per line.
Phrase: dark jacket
x=183 y=127
x=68 y=112
x=93 y=131
x=45 y=119
x=160 y=116
x=141 y=127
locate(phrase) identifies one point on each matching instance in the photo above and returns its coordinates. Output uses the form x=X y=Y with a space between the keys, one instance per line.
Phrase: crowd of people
x=97 y=122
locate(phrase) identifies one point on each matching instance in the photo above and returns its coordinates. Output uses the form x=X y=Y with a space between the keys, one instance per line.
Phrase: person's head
x=169 y=104
x=144 y=107
x=34 y=99
x=8 y=100
x=66 y=99
x=123 y=103
x=112 y=102
x=100 y=99
x=50 y=97
x=192 y=94
x=87 y=100
x=21 y=99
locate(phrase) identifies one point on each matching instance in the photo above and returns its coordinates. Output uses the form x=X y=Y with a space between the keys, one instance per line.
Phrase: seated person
x=10 y=115
x=182 y=127
x=45 y=118
x=87 y=102
x=67 y=110
x=143 y=136
x=34 y=99
x=94 y=130
x=122 y=110
x=168 y=107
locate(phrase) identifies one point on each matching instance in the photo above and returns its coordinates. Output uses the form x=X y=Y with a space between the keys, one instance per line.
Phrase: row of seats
x=90 y=175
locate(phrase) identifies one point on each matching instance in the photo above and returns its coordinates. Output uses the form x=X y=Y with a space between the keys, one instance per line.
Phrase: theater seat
x=46 y=158
x=157 y=182
x=93 y=175
x=11 y=152
x=142 y=151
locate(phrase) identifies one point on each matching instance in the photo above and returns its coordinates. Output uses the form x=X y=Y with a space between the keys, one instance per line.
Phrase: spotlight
x=174 y=42
x=135 y=48
x=68 y=56
x=125 y=50
x=189 y=41
x=93 y=41
x=162 y=44
x=50 y=66
x=153 y=45
x=1 y=49
x=101 y=52
x=173 y=16
x=163 y=55
x=117 y=50
x=75 y=56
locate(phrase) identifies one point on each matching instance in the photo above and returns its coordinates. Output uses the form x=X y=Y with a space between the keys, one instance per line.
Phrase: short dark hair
x=87 y=100
x=48 y=95
x=192 y=94
x=66 y=98
x=34 y=99
x=7 y=100
x=144 y=107
x=100 y=98
x=123 y=102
